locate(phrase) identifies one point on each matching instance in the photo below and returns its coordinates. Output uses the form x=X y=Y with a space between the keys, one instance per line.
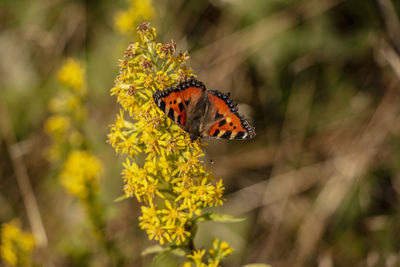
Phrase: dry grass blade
x=233 y=45
x=348 y=170
x=22 y=176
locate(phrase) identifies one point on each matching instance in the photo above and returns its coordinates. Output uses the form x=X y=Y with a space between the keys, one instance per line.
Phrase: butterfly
x=203 y=113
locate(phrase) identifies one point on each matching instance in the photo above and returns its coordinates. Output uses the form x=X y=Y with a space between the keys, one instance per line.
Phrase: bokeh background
x=319 y=80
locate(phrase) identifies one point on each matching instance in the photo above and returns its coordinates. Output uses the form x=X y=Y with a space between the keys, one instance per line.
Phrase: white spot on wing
x=221 y=133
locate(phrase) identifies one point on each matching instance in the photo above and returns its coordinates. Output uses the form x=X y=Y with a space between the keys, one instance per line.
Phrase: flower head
x=80 y=173
x=16 y=245
x=124 y=21
x=72 y=75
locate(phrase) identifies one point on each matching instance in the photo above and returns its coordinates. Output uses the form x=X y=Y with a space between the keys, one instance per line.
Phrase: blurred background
x=319 y=80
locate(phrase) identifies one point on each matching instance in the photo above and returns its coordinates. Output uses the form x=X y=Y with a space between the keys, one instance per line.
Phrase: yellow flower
x=179 y=234
x=213 y=263
x=149 y=215
x=16 y=245
x=156 y=231
x=166 y=50
x=71 y=75
x=197 y=255
x=80 y=173
x=69 y=112
x=125 y=21
x=220 y=249
x=57 y=126
x=171 y=214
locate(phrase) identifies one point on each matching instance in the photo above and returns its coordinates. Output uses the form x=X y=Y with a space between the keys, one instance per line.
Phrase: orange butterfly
x=203 y=113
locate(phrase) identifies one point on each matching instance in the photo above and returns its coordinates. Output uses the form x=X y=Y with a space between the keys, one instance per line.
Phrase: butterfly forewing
x=174 y=101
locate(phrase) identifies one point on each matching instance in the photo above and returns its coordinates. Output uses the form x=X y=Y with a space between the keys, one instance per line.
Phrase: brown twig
x=22 y=176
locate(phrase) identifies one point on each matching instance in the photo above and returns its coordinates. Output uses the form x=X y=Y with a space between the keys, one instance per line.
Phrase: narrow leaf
x=153 y=249
x=178 y=252
x=218 y=217
x=120 y=198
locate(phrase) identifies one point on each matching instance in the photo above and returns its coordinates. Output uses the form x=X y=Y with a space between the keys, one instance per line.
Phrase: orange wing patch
x=191 y=93
x=229 y=123
x=219 y=103
x=171 y=103
x=230 y=127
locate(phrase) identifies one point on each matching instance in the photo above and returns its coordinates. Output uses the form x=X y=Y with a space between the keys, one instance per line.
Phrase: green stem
x=96 y=217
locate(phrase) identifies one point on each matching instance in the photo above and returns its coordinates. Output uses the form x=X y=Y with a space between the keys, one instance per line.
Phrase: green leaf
x=120 y=198
x=257 y=265
x=153 y=249
x=218 y=217
x=178 y=252
x=157 y=249
x=165 y=259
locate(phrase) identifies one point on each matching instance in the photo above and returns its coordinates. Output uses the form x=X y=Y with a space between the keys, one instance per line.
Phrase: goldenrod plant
x=16 y=245
x=163 y=169
x=67 y=112
x=80 y=169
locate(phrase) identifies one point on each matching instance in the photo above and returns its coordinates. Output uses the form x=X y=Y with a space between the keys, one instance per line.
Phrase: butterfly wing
x=226 y=122
x=175 y=101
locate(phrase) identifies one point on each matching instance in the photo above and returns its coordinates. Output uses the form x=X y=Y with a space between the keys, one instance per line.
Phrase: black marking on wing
x=216 y=133
x=222 y=122
x=171 y=114
x=226 y=135
x=162 y=106
x=218 y=116
x=181 y=107
x=239 y=135
x=246 y=125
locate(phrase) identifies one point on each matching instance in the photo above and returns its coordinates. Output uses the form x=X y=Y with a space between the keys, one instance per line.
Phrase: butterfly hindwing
x=174 y=101
x=228 y=123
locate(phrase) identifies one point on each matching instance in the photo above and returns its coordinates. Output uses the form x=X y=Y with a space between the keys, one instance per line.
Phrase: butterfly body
x=203 y=113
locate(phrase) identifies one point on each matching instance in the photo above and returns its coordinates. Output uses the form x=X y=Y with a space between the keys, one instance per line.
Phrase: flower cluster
x=163 y=169
x=125 y=21
x=80 y=173
x=219 y=251
x=71 y=75
x=16 y=246
x=68 y=112
x=80 y=169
